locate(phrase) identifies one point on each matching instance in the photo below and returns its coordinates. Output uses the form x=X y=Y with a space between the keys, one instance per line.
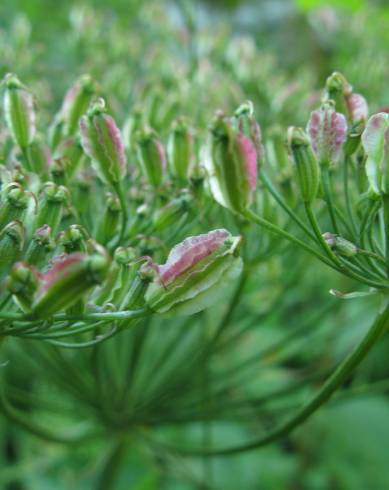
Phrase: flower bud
x=340 y=245
x=327 y=130
x=133 y=124
x=40 y=246
x=375 y=141
x=358 y=109
x=101 y=140
x=196 y=274
x=51 y=204
x=171 y=213
x=306 y=163
x=180 y=150
x=231 y=165
x=11 y=245
x=76 y=102
x=338 y=89
x=14 y=202
x=22 y=283
x=19 y=111
x=109 y=220
x=71 y=150
x=70 y=277
x=73 y=239
x=39 y=156
x=151 y=156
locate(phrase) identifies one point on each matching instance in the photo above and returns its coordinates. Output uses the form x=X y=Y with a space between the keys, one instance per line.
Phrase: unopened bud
x=22 y=283
x=41 y=244
x=375 y=141
x=19 y=111
x=231 y=165
x=11 y=245
x=306 y=163
x=101 y=140
x=14 y=202
x=75 y=104
x=340 y=245
x=109 y=221
x=70 y=277
x=151 y=156
x=51 y=204
x=180 y=150
x=196 y=274
x=171 y=213
x=73 y=239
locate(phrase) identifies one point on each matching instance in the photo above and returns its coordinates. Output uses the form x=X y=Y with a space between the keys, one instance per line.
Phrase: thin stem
x=349 y=208
x=123 y=205
x=338 y=377
x=326 y=183
x=110 y=471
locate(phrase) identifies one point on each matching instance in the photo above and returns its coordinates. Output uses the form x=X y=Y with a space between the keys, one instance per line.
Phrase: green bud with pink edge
x=13 y=204
x=327 y=130
x=197 y=273
x=22 y=283
x=151 y=156
x=12 y=238
x=180 y=150
x=306 y=164
x=67 y=281
x=19 y=111
x=51 y=203
x=75 y=104
x=231 y=163
x=101 y=141
x=375 y=142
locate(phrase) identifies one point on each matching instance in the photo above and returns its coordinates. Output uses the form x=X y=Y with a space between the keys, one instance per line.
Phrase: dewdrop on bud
x=70 y=277
x=340 y=245
x=101 y=140
x=195 y=275
x=231 y=164
x=327 y=130
x=306 y=163
x=22 y=283
x=19 y=111
x=151 y=156
x=180 y=150
x=375 y=142
x=76 y=102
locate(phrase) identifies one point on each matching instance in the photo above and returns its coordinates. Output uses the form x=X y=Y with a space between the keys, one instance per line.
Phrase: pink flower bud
x=327 y=130
x=357 y=108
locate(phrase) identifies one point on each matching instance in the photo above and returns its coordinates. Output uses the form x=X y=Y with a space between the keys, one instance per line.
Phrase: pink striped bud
x=327 y=130
x=357 y=108
x=101 y=140
x=196 y=273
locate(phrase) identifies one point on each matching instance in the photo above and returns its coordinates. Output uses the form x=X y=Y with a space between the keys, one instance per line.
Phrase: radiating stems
x=112 y=466
x=335 y=381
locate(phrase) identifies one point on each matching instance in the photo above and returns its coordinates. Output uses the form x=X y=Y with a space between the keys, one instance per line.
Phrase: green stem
x=110 y=471
x=123 y=205
x=349 y=208
x=335 y=381
x=326 y=183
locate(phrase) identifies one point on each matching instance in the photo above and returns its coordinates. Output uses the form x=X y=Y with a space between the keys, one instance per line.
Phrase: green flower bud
x=101 y=140
x=180 y=150
x=40 y=246
x=51 y=204
x=59 y=170
x=73 y=239
x=19 y=111
x=306 y=163
x=133 y=124
x=76 y=102
x=151 y=156
x=39 y=156
x=340 y=245
x=14 y=202
x=11 y=246
x=171 y=213
x=67 y=282
x=22 y=283
x=231 y=165
x=109 y=221
x=196 y=274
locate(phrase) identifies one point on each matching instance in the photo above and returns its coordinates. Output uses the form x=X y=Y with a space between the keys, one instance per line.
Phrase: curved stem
x=338 y=377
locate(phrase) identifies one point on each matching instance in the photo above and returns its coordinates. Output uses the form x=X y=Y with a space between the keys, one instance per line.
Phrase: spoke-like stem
x=335 y=381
